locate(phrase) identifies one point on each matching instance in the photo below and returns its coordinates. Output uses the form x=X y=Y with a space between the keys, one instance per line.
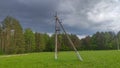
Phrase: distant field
x=92 y=59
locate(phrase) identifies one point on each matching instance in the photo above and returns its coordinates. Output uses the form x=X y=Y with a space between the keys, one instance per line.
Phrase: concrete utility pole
x=58 y=24
x=57 y=30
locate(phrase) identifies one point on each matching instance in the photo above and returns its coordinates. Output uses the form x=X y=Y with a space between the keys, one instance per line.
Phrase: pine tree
x=29 y=40
x=6 y=26
x=18 y=36
x=1 y=48
x=47 y=40
x=40 y=42
x=13 y=39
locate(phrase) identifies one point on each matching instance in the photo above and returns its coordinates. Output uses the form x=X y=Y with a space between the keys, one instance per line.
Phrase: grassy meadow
x=68 y=59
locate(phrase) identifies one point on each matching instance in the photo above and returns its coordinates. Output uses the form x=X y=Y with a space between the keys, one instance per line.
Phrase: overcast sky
x=81 y=17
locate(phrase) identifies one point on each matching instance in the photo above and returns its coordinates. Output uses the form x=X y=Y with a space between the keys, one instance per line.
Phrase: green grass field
x=92 y=59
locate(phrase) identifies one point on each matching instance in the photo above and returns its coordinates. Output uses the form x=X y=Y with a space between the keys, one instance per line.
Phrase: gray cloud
x=35 y=14
x=81 y=17
x=91 y=15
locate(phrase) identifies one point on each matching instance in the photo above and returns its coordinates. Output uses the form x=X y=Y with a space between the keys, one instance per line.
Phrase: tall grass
x=92 y=59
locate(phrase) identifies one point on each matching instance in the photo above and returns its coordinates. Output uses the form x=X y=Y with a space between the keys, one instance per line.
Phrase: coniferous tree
x=17 y=36
x=12 y=36
x=1 y=47
x=40 y=42
x=29 y=40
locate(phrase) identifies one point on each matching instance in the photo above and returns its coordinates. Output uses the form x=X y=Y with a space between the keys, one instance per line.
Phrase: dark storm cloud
x=39 y=14
x=35 y=14
x=83 y=17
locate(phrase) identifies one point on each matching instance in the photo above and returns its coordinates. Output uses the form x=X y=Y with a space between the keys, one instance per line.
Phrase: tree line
x=101 y=41
x=15 y=40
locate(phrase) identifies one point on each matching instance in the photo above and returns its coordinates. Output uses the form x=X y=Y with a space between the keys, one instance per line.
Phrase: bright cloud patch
x=81 y=36
x=103 y=15
x=107 y=14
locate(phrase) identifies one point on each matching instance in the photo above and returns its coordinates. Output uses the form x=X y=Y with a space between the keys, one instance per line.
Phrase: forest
x=14 y=40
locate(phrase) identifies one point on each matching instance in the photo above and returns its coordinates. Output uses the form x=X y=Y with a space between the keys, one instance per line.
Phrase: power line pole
x=57 y=29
